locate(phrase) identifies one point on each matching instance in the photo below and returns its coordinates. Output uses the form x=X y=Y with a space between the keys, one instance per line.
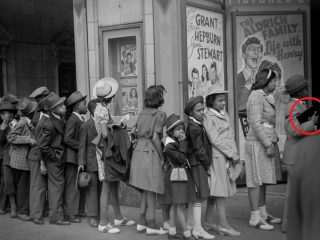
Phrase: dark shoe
x=24 y=217
x=37 y=221
x=13 y=213
x=82 y=214
x=175 y=236
x=74 y=219
x=60 y=222
x=93 y=222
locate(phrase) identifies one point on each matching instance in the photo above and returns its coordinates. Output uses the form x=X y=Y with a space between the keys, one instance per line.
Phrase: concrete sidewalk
x=237 y=209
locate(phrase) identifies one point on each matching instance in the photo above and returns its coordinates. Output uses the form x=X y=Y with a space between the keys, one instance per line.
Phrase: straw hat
x=106 y=87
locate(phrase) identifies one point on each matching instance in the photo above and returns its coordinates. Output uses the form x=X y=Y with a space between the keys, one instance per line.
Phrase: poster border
x=184 y=44
x=236 y=14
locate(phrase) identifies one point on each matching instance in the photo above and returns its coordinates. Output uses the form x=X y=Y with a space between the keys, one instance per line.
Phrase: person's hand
x=81 y=167
x=32 y=142
x=182 y=137
x=4 y=125
x=315 y=118
x=270 y=151
x=43 y=169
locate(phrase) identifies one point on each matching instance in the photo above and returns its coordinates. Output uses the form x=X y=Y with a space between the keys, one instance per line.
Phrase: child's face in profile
x=219 y=102
x=198 y=112
x=83 y=107
x=6 y=116
x=60 y=110
x=178 y=132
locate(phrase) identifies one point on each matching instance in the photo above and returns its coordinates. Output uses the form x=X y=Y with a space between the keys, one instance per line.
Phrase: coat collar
x=58 y=124
x=169 y=140
x=213 y=112
x=27 y=121
x=195 y=120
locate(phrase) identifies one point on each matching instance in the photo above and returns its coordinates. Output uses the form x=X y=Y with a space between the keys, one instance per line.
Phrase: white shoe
x=262 y=225
x=166 y=225
x=272 y=219
x=141 y=228
x=201 y=233
x=123 y=222
x=108 y=228
x=154 y=231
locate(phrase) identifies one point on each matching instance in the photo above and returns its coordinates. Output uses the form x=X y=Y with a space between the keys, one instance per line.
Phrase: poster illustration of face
x=128 y=60
x=273 y=41
x=130 y=101
x=205 y=43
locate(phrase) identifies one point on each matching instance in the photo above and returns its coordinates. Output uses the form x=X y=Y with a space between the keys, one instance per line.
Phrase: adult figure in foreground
x=304 y=198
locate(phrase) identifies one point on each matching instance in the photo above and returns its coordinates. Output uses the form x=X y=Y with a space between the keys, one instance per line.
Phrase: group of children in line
x=194 y=162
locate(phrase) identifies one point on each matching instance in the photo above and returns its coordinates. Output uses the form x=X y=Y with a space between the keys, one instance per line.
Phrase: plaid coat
x=20 y=138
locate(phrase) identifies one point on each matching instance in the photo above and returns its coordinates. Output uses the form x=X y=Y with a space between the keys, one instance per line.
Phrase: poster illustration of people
x=130 y=101
x=205 y=43
x=275 y=41
x=128 y=60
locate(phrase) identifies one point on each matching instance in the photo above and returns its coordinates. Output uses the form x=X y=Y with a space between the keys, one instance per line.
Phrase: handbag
x=178 y=174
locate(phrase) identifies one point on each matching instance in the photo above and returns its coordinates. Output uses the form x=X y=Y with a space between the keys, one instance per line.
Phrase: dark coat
x=199 y=148
x=5 y=145
x=71 y=138
x=50 y=141
x=35 y=154
x=304 y=194
x=87 y=150
x=177 y=192
x=36 y=118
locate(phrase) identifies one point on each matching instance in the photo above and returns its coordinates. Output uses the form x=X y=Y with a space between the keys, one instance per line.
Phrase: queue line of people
x=46 y=144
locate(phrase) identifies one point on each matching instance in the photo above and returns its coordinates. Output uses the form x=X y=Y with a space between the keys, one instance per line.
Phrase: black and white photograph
x=159 y=119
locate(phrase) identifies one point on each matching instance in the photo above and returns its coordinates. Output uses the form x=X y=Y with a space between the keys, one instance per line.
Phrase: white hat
x=214 y=90
x=106 y=87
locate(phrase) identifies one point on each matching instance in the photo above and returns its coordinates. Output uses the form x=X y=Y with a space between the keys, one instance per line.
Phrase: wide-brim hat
x=214 y=90
x=7 y=106
x=40 y=91
x=54 y=100
x=10 y=98
x=191 y=103
x=172 y=121
x=295 y=83
x=26 y=107
x=75 y=98
x=42 y=105
x=106 y=87
x=83 y=179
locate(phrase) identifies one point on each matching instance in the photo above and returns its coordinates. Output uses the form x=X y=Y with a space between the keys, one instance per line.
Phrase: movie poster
x=130 y=101
x=267 y=38
x=205 y=43
x=128 y=60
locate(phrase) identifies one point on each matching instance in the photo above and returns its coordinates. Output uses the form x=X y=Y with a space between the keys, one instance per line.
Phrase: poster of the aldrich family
x=264 y=39
x=205 y=43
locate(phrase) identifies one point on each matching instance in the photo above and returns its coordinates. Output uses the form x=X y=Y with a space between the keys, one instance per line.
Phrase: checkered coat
x=20 y=138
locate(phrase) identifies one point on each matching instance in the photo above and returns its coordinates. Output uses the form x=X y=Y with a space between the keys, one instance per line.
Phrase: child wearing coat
x=87 y=161
x=177 y=193
x=76 y=103
x=199 y=155
x=7 y=112
x=21 y=139
x=147 y=159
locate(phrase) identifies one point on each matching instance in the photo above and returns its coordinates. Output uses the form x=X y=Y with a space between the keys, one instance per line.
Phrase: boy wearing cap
x=297 y=87
x=77 y=104
x=38 y=171
x=87 y=159
x=7 y=113
x=51 y=146
x=21 y=139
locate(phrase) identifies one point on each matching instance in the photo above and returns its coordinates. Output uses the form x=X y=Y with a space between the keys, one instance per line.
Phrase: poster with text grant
x=205 y=45
x=275 y=41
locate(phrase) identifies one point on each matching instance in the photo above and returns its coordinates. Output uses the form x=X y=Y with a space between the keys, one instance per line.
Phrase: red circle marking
x=291 y=119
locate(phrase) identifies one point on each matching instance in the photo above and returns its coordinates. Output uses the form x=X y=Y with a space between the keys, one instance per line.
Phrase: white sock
x=187 y=233
x=197 y=216
x=255 y=216
x=172 y=230
x=263 y=212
